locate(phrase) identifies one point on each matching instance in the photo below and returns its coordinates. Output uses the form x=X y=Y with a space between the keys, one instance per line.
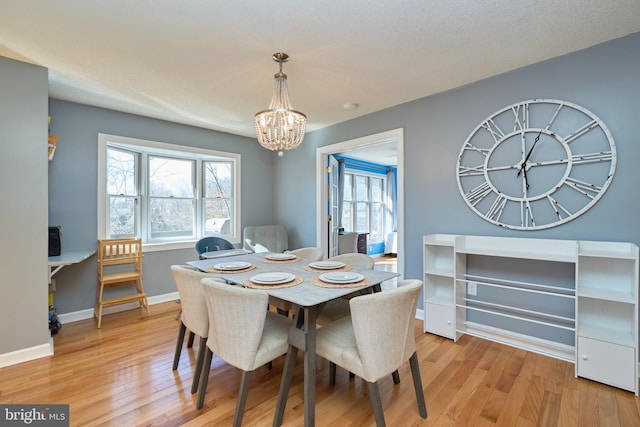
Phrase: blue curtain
x=392 y=201
x=340 y=190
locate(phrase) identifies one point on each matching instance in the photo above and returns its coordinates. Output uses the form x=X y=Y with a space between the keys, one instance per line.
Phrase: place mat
x=212 y=269
x=327 y=270
x=249 y=284
x=277 y=261
x=364 y=282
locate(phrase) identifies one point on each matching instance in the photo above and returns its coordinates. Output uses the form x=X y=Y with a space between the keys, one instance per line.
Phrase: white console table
x=573 y=300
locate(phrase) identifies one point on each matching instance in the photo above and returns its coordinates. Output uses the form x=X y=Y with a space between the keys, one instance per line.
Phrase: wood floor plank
x=121 y=375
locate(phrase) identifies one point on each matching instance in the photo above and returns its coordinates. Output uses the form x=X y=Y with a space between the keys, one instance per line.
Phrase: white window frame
x=161 y=148
x=369 y=175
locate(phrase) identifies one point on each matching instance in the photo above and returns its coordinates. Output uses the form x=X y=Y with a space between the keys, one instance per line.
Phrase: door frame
x=322 y=187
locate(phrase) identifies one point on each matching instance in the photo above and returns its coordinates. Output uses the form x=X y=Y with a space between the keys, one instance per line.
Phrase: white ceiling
x=208 y=63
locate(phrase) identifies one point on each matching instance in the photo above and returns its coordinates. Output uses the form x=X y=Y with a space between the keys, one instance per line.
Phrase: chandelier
x=280 y=127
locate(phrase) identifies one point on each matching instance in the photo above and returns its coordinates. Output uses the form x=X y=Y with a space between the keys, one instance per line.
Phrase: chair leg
x=332 y=373
x=199 y=363
x=417 y=384
x=396 y=377
x=176 y=357
x=191 y=337
x=242 y=398
x=143 y=301
x=285 y=383
x=205 y=378
x=376 y=403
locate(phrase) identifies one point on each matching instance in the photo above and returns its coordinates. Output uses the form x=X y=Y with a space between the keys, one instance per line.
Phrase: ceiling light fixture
x=280 y=127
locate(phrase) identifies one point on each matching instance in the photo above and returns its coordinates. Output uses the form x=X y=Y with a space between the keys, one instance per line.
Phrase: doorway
x=367 y=144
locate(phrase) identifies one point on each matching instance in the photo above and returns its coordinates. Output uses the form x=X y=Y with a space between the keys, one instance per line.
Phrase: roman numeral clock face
x=536 y=164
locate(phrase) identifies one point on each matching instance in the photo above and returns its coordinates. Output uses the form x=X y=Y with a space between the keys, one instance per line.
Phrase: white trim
x=76 y=316
x=396 y=135
x=171 y=149
x=26 y=354
x=44 y=350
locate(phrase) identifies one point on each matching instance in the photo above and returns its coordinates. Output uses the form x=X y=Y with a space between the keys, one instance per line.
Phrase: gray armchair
x=265 y=238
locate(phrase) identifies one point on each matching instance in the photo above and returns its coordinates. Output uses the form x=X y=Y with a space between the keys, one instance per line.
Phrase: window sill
x=170 y=246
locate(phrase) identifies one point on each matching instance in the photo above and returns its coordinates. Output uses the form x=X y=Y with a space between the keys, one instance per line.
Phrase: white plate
x=327 y=265
x=280 y=257
x=346 y=277
x=272 y=278
x=232 y=265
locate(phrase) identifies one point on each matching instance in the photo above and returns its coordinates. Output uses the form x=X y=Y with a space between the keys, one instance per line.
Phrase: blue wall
x=603 y=79
x=73 y=182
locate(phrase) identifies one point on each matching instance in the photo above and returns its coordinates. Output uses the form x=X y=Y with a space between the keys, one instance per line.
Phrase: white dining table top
x=305 y=294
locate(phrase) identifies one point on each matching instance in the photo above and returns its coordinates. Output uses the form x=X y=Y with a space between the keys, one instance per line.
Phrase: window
x=168 y=195
x=363 y=204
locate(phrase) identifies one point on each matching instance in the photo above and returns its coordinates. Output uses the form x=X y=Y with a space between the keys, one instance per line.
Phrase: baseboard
x=76 y=316
x=26 y=354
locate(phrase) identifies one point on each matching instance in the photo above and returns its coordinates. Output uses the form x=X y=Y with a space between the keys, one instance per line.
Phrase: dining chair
x=339 y=307
x=376 y=340
x=308 y=254
x=120 y=264
x=194 y=316
x=211 y=244
x=242 y=333
x=355 y=260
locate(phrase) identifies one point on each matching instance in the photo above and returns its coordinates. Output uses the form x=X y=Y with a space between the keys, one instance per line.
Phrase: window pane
x=218 y=181
x=376 y=224
x=347 y=216
x=362 y=190
x=218 y=217
x=121 y=172
x=170 y=177
x=362 y=217
x=348 y=187
x=171 y=217
x=122 y=217
x=376 y=190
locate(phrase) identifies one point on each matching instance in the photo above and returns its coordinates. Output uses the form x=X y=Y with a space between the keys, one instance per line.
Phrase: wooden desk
x=308 y=300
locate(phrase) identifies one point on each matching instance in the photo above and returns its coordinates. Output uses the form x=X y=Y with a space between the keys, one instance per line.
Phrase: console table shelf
x=573 y=300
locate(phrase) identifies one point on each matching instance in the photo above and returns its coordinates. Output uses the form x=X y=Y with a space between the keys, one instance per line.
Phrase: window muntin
x=166 y=194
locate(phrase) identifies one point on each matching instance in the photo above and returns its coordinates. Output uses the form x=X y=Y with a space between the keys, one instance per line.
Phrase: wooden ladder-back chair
x=119 y=264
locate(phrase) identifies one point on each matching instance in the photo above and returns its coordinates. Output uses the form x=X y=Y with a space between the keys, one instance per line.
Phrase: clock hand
x=524 y=163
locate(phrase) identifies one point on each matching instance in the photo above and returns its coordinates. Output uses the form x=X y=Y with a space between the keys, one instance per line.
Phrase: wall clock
x=536 y=164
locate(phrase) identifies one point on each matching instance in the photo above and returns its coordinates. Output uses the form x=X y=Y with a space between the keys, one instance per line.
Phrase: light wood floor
x=121 y=375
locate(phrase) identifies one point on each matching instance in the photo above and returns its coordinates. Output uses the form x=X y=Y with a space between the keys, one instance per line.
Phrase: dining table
x=307 y=294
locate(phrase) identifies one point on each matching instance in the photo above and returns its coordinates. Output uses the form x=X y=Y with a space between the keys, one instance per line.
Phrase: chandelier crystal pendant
x=280 y=127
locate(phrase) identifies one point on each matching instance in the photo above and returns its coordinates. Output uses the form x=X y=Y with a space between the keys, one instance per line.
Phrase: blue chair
x=212 y=244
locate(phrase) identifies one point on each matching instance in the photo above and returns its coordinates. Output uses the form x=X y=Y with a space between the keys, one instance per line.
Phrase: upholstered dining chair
x=355 y=260
x=308 y=254
x=376 y=340
x=243 y=333
x=339 y=308
x=194 y=316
